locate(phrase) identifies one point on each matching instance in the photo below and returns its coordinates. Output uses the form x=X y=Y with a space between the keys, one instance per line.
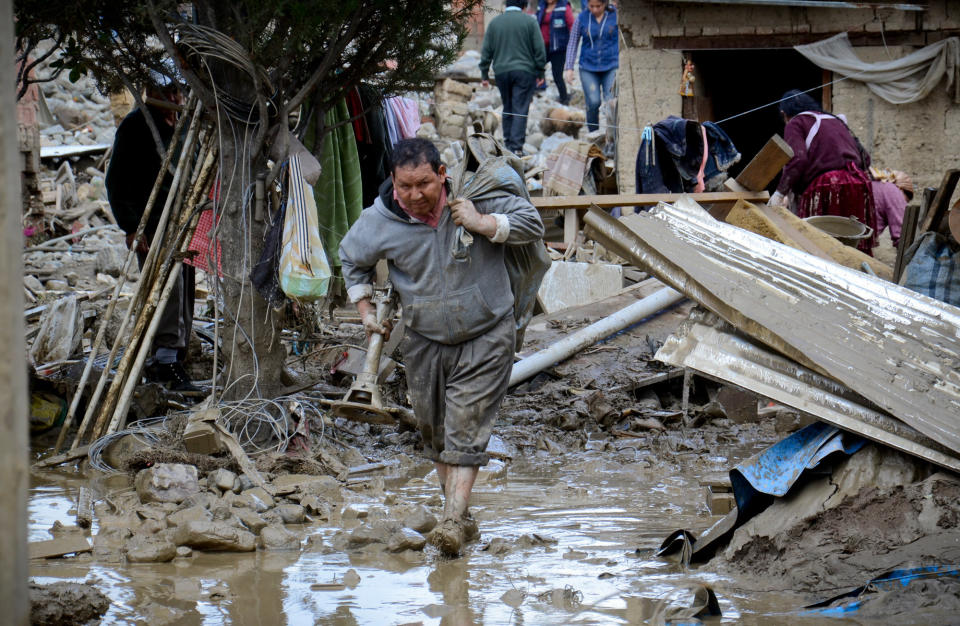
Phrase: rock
x=405 y=539
x=152 y=526
x=156 y=510
x=184 y=551
x=291 y=513
x=222 y=479
x=57 y=285
x=205 y=499
x=192 y=514
x=66 y=603
x=313 y=504
x=535 y=139
x=149 y=549
x=278 y=538
x=214 y=536
x=32 y=283
x=420 y=520
x=251 y=520
x=552 y=142
x=167 y=482
x=428 y=131
x=372 y=533
x=70 y=115
x=263 y=501
x=110 y=260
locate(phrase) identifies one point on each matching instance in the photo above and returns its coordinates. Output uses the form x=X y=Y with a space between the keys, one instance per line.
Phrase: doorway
x=736 y=81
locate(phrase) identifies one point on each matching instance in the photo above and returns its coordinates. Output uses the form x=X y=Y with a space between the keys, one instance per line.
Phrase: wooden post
x=763 y=167
x=908 y=233
x=571 y=225
x=937 y=210
x=13 y=369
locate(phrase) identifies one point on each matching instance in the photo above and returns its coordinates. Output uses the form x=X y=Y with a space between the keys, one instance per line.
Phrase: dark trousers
x=176 y=319
x=557 y=58
x=516 y=91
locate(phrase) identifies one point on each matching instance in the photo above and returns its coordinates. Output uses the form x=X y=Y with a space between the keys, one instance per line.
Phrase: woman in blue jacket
x=556 y=19
x=599 y=55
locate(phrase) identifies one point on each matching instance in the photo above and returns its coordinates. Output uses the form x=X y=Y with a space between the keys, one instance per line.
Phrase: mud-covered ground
x=592 y=471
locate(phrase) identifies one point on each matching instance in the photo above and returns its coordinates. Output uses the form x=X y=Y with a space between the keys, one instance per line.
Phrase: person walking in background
x=828 y=174
x=514 y=46
x=556 y=19
x=599 y=55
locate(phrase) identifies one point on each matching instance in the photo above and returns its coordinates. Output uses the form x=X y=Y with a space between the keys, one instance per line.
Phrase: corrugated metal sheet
x=708 y=345
x=896 y=348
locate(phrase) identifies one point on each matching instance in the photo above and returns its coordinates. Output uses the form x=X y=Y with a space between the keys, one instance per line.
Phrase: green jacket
x=513 y=42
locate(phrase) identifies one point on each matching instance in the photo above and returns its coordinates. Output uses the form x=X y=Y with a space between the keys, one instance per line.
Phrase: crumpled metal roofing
x=712 y=347
x=898 y=349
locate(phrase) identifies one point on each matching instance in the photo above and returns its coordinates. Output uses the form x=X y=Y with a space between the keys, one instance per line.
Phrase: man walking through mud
x=458 y=309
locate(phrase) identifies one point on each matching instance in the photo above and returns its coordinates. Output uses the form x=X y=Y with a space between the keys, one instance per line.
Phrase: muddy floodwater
x=569 y=540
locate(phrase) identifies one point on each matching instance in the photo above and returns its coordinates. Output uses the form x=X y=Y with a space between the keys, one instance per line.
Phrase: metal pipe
x=568 y=346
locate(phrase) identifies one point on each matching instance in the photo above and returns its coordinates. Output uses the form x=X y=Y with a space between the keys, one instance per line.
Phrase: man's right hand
x=568 y=76
x=485 y=83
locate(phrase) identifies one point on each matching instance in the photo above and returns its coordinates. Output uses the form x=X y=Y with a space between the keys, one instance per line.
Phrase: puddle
x=605 y=517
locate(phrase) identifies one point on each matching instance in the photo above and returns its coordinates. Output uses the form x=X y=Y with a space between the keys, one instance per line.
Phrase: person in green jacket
x=514 y=45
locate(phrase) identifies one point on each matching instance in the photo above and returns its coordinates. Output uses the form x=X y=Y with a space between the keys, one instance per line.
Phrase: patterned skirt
x=846 y=193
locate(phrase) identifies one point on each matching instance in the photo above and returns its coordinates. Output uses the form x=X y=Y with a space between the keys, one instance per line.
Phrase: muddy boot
x=448 y=537
x=471 y=531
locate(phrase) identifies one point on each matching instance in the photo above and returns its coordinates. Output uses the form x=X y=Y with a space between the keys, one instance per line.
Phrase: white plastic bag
x=304 y=269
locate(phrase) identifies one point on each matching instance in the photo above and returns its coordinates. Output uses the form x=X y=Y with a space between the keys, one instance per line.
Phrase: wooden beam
x=941 y=202
x=785 y=40
x=642 y=199
x=908 y=232
x=765 y=165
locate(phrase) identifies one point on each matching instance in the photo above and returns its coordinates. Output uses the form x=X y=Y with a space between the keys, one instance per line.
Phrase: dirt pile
x=879 y=511
x=65 y=603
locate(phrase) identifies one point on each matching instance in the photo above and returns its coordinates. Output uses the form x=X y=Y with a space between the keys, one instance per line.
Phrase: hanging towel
x=339 y=190
x=407 y=116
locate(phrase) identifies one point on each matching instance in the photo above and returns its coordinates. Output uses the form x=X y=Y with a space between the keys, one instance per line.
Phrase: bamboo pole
x=145 y=284
x=101 y=332
x=187 y=225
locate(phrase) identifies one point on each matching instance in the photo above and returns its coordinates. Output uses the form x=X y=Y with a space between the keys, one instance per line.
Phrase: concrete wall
x=920 y=138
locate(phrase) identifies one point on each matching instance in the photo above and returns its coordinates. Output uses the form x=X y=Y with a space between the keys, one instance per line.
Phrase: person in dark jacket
x=556 y=19
x=599 y=55
x=514 y=46
x=134 y=165
x=828 y=172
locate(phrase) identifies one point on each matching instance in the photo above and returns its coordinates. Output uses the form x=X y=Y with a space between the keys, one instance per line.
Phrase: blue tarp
x=757 y=481
x=842 y=606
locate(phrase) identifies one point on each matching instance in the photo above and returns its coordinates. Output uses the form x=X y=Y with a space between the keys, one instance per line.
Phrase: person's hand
x=141 y=247
x=777 y=199
x=568 y=76
x=541 y=82
x=466 y=215
x=485 y=83
x=371 y=325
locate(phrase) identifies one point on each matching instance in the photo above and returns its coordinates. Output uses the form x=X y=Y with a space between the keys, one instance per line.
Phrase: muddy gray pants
x=456 y=391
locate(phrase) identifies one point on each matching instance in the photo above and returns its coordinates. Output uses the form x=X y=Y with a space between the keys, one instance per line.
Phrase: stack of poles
x=159 y=273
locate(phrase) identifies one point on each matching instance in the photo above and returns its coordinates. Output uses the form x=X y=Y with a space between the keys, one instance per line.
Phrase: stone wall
x=919 y=138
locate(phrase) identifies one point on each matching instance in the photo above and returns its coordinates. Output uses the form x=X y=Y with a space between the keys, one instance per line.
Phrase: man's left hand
x=541 y=82
x=466 y=215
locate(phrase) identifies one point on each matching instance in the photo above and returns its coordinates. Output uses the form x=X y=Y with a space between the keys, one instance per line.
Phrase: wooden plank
x=766 y=164
x=69 y=544
x=908 y=233
x=785 y=40
x=941 y=202
x=642 y=199
x=60 y=459
x=571 y=225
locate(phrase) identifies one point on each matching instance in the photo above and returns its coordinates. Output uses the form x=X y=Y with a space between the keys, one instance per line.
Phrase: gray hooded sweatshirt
x=446 y=298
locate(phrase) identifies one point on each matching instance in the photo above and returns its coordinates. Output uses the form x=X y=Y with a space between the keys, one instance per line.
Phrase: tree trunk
x=253 y=354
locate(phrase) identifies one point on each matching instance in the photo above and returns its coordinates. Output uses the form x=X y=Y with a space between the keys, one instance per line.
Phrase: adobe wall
x=922 y=138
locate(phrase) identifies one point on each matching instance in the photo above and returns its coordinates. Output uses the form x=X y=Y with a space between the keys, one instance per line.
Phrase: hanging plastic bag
x=304 y=269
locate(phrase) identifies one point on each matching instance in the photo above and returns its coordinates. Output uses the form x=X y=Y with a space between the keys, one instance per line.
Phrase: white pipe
x=568 y=346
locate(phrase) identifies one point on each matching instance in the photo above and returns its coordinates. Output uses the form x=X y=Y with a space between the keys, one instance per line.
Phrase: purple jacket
x=831 y=149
